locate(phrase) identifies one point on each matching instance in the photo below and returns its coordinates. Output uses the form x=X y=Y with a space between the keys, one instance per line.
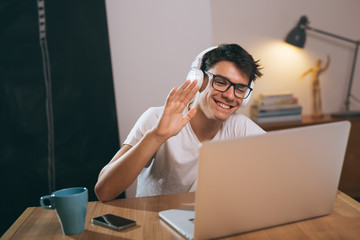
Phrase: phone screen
x=113 y=221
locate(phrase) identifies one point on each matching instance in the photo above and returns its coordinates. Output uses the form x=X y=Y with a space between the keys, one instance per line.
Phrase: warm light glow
x=283 y=56
x=283 y=64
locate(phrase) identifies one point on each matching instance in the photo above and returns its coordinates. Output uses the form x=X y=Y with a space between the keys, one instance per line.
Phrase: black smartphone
x=113 y=222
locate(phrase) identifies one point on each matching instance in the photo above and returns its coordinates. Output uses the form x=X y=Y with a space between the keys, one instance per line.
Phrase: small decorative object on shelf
x=275 y=107
x=315 y=71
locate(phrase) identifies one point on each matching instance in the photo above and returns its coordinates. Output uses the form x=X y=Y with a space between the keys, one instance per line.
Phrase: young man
x=162 y=149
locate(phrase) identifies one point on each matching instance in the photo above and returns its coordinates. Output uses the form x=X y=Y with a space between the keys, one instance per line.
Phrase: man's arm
x=128 y=162
x=125 y=166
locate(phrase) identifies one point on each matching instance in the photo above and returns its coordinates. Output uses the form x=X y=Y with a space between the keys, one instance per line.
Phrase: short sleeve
x=146 y=122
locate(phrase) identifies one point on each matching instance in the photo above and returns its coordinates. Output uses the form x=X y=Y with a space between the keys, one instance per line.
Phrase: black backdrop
x=85 y=126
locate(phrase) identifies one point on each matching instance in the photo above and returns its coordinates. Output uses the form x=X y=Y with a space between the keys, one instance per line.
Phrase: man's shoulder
x=156 y=110
x=153 y=111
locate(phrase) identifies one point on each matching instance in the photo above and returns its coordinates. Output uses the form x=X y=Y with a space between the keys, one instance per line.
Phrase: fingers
x=188 y=90
x=185 y=92
x=173 y=91
x=187 y=86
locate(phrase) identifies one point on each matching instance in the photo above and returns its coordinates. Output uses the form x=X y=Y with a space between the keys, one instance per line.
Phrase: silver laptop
x=262 y=181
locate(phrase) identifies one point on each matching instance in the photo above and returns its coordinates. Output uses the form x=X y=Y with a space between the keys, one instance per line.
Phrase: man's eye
x=241 y=89
x=220 y=82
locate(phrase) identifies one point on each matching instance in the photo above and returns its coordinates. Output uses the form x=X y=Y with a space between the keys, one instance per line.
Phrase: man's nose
x=229 y=93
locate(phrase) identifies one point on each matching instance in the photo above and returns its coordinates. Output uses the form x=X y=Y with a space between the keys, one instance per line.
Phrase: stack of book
x=275 y=107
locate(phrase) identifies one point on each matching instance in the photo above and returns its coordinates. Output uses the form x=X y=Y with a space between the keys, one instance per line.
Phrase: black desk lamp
x=297 y=37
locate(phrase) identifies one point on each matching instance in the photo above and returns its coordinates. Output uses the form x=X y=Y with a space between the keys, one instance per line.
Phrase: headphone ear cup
x=246 y=100
x=196 y=74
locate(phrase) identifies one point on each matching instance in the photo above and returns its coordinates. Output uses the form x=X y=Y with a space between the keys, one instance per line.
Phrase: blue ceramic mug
x=70 y=205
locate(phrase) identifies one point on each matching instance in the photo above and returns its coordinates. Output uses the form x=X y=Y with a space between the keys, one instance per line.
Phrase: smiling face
x=220 y=105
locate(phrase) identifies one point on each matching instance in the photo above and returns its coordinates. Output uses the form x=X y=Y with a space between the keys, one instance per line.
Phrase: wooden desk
x=37 y=223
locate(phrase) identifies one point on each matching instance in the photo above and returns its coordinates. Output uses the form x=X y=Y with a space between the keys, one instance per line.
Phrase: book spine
x=275 y=119
x=276 y=112
x=276 y=107
x=276 y=101
x=275 y=96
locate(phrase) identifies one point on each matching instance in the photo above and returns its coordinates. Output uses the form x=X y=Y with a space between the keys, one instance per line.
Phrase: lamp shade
x=297 y=36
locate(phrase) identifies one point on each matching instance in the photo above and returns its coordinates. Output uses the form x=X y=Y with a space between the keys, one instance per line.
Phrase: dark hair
x=235 y=54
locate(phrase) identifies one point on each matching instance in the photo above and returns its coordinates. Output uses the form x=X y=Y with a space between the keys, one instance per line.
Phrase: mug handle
x=43 y=205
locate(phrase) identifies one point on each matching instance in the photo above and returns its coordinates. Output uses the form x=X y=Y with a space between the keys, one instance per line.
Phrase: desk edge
x=16 y=225
x=349 y=200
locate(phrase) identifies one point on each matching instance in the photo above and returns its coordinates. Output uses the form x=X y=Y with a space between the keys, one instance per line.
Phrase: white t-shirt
x=174 y=167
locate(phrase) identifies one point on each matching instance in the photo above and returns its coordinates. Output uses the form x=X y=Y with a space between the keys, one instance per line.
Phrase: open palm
x=172 y=120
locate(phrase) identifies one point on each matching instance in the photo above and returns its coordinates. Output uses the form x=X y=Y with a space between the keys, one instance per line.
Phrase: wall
x=146 y=35
x=153 y=44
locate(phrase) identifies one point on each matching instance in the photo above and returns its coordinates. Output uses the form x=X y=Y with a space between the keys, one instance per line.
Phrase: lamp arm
x=331 y=34
x=347 y=101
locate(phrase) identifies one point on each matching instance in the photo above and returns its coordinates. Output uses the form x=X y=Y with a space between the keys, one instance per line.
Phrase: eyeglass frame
x=213 y=76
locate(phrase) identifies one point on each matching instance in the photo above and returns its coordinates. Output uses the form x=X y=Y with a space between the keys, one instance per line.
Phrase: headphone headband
x=197 y=62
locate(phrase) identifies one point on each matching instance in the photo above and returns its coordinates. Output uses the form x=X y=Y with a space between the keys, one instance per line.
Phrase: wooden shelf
x=350 y=176
x=305 y=121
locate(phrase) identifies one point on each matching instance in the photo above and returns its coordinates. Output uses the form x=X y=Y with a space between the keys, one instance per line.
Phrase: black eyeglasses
x=222 y=84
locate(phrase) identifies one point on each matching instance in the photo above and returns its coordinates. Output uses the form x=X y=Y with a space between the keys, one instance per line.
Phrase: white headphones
x=196 y=73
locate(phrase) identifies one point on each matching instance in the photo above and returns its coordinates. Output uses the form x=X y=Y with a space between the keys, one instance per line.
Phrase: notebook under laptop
x=263 y=181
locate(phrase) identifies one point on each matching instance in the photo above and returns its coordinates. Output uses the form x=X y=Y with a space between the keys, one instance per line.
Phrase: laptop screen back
x=267 y=180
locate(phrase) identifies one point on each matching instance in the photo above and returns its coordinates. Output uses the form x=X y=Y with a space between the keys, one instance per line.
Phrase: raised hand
x=172 y=120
